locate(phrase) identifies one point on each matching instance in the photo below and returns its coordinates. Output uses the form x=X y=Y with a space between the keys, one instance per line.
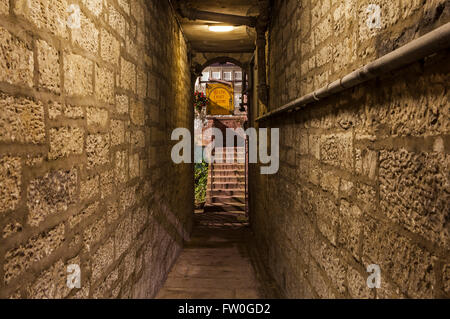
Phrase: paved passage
x=215 y=263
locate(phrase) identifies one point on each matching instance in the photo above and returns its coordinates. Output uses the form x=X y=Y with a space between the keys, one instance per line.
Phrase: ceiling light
x=221 y=28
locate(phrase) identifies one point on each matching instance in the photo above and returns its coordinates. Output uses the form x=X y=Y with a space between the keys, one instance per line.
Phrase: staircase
x=226 y=192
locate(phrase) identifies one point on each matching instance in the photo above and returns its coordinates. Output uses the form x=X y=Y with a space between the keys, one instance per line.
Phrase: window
x=238 y=76
x=205 y=76
x=216 y=75
x=227 y=76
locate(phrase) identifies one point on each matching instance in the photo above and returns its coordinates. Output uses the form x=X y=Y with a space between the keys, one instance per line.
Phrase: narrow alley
x=223 y=149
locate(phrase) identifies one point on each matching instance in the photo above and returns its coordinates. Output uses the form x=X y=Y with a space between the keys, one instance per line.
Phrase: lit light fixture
x=220 y=28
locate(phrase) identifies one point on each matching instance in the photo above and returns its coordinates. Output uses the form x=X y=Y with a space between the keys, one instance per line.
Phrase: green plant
x=200 y=101
x=201 y=180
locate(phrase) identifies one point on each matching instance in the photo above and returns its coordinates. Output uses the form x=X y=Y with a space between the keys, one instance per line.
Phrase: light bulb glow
x=221 y=28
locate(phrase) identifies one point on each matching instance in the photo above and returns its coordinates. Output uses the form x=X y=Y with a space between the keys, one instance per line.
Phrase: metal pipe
x=194 y=14
x=432 y=42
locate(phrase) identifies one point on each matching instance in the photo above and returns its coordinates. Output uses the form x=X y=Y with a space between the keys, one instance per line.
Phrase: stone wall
x=364 y=175
x=85 y=175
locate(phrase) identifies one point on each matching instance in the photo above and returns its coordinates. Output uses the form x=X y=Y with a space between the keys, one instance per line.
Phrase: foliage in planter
x=201 y=179
x=200 y=101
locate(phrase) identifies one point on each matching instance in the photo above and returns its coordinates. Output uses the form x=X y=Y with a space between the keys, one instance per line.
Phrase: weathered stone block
x=65 y=141
x=137 y=139
x=11 y=179
x=122 y=104
x=50 y=15
x=337 y=150
x=86 y=36
x=94 y=232
x=19 y=259
x=127 y=75
x=117 y=21
x=51 y=283
x=4 y=7
x=406 y=264
x=134 y=166
x=357 y=285
x=137 y=113
x=50 y=194
x=327 y=218
x=16 y=60
x=109 y=47
x=97 y=150
x=414 y=192
x=48 y=66
x=350 y=228
x=330 y=182
x=83 y=214
x=107 y=183
x=102 y=259
x=21 y=120
x=104 y=85
x=123 y=236
x=117 y=132
x=78 y=75
x=89 y=188
x=120 y=169
x=366 y=162
x=103 y=291
x=95 y=6
x=97 y=117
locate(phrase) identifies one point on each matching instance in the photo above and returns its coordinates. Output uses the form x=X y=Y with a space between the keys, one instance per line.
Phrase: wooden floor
x=215 y=264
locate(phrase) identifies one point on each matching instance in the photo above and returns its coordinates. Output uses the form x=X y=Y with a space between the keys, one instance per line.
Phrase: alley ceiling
x=241 y=39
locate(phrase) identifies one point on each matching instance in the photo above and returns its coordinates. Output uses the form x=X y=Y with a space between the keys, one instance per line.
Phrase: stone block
x=4 y=7
x=16 y=60
x=123 y=235
x=94 y=233
x=107 y=183
x=102 y=259
x=109 y=47
x=117 y=21
x=95 y=6
x=127 y=75
x=117 y=132
x=337 y=150
x=83 y=214
x=86 y=37
x=89 y=188
x=357 y=285
x=65 y=141
x=53 y=193
x=137 y=113
x=406 y=264
x=350 y=228
x=97 y=117
x=122 y=104
x=97 y=150
x=11 y=180
x=19 y=259
x=21 y=120
x=120 y=168
x=414 y=192
x=51 y=15
x=78 y=75
x=51 y=283
x=104 y=85
x=48 y=66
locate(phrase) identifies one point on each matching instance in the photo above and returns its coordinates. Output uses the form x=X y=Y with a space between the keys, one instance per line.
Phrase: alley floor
x=216 y=263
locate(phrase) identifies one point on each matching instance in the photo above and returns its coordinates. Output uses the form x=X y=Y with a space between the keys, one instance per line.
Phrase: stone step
x=219 y=186
x=227 y=192
x=231 y=200
x=228 y=166
x=221 y=207
x=227 y=173
x=228 y=179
